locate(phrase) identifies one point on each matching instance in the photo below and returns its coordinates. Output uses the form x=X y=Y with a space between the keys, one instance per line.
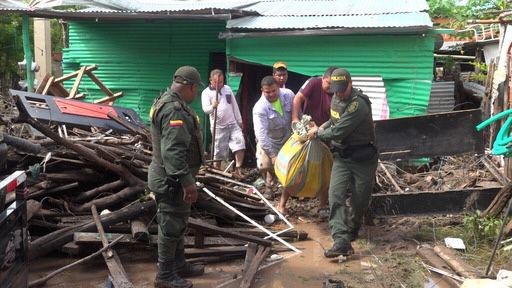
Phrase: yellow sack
x=303 y=168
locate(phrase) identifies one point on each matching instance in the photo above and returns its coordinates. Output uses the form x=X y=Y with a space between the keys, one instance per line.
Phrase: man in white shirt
x=228 y=122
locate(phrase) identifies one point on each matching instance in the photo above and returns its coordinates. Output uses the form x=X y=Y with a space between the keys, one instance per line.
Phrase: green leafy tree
x=11 y=48
x=459 y=14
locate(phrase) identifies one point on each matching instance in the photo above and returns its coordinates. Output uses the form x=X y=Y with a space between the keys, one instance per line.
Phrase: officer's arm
x=348 y=122
x=175 y=144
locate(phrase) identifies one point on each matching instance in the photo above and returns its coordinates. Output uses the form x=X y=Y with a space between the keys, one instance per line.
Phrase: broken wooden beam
x=117 y=272
x=248 y=278
x=211 y=229
x=459 y=266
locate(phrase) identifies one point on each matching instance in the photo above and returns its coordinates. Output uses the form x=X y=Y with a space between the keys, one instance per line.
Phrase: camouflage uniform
x=177 y=156
x=352 y=135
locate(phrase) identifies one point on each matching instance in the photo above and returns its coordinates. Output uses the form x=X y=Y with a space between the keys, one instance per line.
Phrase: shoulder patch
x=352 y=107
x=176 y=123
x=335 y=114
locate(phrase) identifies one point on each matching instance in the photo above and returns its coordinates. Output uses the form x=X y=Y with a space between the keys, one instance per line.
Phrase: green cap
x=187 y=75
x=339 y=80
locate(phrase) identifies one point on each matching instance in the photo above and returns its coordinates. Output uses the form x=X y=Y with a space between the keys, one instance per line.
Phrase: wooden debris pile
x=82 y=172
x=442 y=174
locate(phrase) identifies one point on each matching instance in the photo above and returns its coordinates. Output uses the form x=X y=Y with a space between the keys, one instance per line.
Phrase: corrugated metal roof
x=373 y=87
x=138 y=57
x=404 y=61
x=441 y=97
x=337 y=7
x=416 y=19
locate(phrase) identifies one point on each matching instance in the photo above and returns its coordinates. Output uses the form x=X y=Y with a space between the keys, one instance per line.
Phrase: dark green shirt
x=176 y=135
x=351 y=121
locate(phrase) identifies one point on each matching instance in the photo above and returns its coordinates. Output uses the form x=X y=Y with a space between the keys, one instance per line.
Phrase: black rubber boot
x=166 y=276
x=186 y=269
x=340 y=248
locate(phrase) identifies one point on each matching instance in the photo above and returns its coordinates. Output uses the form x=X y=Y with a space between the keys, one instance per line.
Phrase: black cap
x=339 y=80
x=187 y=75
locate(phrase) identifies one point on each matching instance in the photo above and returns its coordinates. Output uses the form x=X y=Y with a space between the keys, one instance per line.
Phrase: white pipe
x=257 y=192
x=251 y=221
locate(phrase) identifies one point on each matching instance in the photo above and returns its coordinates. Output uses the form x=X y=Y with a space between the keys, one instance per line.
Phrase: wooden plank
x=108 y=98
x=42 y=85
x=92 y=238
x=78 y=79
x=459 y=266
x=99 y=83
x=205 y=227
x=117 y=272
x=249 y=255
x=74 y=74
x=47 y=86
x=390 y=177
x=248 y=278
x=431 y=258
x=58 y=90
x=440 y=134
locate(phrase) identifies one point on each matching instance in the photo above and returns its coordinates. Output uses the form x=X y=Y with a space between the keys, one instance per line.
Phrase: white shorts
x=228 y=138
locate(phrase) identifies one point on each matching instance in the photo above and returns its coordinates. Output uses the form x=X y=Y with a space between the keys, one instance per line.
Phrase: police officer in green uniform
x=351 y=132
x=177 y=156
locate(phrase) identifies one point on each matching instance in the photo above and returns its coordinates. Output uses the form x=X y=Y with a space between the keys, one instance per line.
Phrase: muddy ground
x=385 y=257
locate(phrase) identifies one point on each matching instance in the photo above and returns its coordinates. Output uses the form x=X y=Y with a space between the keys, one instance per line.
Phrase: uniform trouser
x=345 y=174
x=172 y=216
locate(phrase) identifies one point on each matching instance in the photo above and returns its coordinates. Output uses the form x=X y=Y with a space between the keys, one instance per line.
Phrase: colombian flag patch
x=176 y=123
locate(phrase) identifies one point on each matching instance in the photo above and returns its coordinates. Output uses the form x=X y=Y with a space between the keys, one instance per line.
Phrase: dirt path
x=385 y=257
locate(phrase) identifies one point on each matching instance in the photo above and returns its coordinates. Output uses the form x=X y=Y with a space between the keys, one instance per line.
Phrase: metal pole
x=291 y=247
x=215 y=118
x=28 y=53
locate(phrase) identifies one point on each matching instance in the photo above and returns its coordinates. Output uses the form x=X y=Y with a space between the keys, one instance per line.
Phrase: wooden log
x=459 y=266
x=56 y=239
x=117 y=272
x=32 y=208
x=499 y=202
x=139 y=229
x=43 y=280
x=205 y=227
x=87 y=153
x=248 y=278
x=45 y=192
x=107 y=201
x=109 y=187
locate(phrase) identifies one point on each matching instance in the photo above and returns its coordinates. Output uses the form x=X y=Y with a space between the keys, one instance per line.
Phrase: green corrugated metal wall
x=404 y=61
x=138 y=57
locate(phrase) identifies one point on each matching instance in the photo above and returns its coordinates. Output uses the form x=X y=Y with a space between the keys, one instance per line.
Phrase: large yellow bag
x=303 y=169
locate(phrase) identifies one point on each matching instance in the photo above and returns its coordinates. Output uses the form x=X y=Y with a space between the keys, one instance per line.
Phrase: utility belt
x=357 y=153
